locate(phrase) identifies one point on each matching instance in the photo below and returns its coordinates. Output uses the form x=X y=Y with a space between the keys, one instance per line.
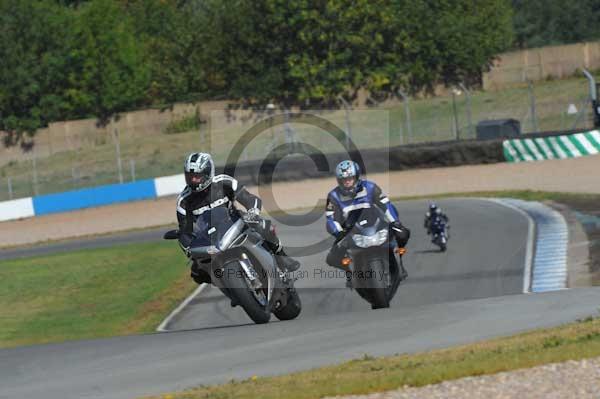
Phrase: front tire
x=375 y=284
x=242 y=294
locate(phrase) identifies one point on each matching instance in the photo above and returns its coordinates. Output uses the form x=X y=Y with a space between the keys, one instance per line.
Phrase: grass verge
x=126 y=289
x=367 y=375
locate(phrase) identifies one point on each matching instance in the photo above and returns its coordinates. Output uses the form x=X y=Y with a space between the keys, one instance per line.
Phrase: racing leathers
x=432 y=218
x=223 y=192
x=339 y=206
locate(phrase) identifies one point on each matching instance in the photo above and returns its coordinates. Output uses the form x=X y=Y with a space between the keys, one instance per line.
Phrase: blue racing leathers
x=368 y=194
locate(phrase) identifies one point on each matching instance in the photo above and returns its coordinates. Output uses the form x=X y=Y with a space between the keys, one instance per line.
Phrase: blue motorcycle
x=440 y=233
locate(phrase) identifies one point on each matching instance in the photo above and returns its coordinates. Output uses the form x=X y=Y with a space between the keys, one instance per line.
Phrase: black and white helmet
x=199 y=171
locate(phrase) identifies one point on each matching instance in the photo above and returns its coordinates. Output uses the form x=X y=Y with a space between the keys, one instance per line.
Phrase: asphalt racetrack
x=471 y=292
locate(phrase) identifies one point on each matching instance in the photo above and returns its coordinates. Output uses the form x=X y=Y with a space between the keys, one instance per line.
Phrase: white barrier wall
x=16 y=209
x=169 y=185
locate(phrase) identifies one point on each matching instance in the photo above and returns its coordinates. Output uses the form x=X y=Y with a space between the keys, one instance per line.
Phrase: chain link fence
x=119 y=154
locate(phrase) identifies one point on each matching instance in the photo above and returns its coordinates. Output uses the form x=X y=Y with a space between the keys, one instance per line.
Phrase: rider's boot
x=286 y=263
x=199 y=275
x=272 y=242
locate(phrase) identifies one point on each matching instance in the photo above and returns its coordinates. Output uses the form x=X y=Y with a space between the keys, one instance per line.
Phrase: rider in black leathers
x=204 y=191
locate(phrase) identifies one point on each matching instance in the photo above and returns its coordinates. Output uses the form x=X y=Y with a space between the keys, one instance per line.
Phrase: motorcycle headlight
x=370 y=241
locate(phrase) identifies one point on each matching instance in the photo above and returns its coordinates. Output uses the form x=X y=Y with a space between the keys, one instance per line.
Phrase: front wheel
x=375 y=284
x=443 y=243
x=252 y=301
x=292 y=308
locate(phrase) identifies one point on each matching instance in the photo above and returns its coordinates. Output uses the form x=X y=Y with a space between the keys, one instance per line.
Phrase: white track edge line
x=163 y=326
x=530 y=240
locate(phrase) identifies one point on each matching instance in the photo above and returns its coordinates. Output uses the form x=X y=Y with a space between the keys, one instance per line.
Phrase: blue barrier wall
x=92 y=197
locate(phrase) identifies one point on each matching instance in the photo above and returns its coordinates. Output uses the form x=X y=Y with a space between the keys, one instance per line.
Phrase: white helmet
x=199 y=171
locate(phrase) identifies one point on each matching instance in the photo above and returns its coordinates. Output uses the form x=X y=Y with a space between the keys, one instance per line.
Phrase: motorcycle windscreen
x=212 y=225
x=366 y=221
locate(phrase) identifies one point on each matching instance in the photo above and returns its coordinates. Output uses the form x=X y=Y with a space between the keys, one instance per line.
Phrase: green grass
x=185 y=124
x=433 y=118
x=158 y=154
x=367 y=375
x=95 y=293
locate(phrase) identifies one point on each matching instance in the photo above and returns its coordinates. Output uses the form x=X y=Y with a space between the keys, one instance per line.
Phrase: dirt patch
x=579 y=175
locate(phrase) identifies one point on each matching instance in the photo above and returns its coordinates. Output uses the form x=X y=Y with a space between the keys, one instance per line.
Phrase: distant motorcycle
x=372 y=257
x=440 y=233
x=231 y=252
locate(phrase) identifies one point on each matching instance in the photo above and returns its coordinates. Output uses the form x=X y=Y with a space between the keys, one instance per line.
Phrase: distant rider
x=351 y=193
x=204 y=191
x=433 y=216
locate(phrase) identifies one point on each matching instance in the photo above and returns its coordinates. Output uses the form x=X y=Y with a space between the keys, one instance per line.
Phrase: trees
x=32 y=62
x=72 y=59
x=449 y=41
x=107 y=72
x=317 y=50
x=550 y=22
x=61 y=63
x=172 y=34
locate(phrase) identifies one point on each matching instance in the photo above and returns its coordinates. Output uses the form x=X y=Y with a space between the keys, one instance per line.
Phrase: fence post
x=115 y=134
x=456 y=128
x=75 y=176
x=532 y=101
x=347 y=117
x=132 y=169
x=35 y=175
x=405 y=100
x=10 y=188
x=469 y=121
x=290 y=133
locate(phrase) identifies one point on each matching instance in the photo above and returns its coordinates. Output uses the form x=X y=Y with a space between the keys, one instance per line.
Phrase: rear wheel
x=293 y=307
x=252 y=301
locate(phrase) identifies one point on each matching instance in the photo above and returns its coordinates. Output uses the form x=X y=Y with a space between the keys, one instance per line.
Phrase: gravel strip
x=572 y=379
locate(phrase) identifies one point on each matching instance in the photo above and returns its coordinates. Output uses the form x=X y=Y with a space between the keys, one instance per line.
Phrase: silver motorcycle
x=231 y=251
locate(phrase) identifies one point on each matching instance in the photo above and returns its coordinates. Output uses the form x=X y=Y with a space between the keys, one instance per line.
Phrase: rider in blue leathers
x=353 y=193
x=433 y=215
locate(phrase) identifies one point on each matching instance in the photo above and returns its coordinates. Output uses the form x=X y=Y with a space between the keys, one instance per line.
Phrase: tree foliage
x=32 y=62
x=107 y=72
x=72 y=59
x=550 y=22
